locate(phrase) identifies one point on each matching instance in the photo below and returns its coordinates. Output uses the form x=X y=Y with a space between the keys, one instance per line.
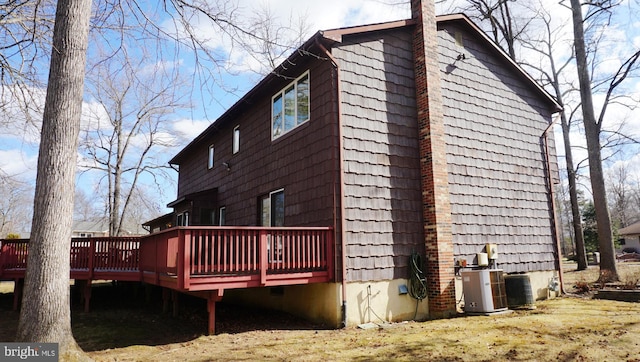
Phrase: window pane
x=236 y=140
x=223 y=216
x=211 y=152
x=289 y=108
x=265 y=214
x=303 y=99
x=277 y=117
x=277 y=209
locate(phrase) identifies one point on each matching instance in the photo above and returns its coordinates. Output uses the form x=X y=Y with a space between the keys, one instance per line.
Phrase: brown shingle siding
x=382 y=190
x=497 y=183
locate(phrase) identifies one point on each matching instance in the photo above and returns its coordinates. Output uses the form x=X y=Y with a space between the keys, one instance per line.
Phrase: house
x=630 y=236
x=404 y=140
x=160 y=223
x=89 y=228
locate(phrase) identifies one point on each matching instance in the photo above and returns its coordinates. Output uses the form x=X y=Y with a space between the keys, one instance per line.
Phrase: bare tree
x=25 y=28
x=15 y=206
x=45 y=314
x=623 y=195
x=128 y=129
x=593 y=127
x=275 y=39
x=84 y=208
x=143 y=206
x=504 y=19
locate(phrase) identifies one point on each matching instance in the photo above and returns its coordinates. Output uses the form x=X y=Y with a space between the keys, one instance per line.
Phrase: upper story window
x=290 y=106
x=210 y=162
x=236 y=139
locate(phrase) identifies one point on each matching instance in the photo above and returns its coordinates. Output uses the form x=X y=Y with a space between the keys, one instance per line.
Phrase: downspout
x=343 y=248
x=553 y=205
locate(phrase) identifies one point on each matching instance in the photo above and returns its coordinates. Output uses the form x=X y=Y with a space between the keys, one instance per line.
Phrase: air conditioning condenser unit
x=484 y=291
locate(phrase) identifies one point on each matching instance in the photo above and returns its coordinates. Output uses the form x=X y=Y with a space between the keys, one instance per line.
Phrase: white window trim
x=281 y=94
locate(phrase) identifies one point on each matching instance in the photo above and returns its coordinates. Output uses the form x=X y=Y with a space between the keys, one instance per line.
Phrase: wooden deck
x=203 y=261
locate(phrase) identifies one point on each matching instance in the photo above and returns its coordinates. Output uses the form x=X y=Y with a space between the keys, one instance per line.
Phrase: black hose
x=417 y=281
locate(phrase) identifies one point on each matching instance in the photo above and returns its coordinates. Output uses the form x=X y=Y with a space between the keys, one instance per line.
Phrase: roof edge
x=332 y=36
x=337 y=34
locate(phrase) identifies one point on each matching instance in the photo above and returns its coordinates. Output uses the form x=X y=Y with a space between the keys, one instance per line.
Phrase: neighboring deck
x=203 y=260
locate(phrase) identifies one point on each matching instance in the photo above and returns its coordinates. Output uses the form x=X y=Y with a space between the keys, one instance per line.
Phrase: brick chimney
x=436 y=209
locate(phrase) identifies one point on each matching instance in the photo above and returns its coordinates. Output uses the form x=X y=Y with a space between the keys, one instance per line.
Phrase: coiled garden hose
x=417 y=281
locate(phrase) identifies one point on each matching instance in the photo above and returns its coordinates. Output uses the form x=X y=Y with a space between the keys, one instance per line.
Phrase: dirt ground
x=123 y=326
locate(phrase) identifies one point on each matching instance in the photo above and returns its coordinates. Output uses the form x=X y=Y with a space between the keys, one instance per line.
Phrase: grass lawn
x=122 y=327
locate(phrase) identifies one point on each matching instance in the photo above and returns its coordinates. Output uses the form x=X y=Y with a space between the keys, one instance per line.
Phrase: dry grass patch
x=564 y=329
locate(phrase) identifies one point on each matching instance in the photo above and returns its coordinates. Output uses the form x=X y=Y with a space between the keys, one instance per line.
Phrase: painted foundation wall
x=381 y=301
x=374 y=302
x=319 y=303
x=322 y=303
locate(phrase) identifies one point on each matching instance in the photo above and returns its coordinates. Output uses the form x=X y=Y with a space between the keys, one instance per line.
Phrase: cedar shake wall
x=301 y=161
x=383 y=221
x=496 y=167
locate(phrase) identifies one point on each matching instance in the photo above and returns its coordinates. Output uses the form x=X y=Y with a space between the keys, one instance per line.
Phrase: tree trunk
x=45 y=314
x=117 y=181
x=608 y=269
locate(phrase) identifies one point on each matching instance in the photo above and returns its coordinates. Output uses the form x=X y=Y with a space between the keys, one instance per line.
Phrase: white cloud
x=189 y=129
x=94 y=116
x=328 y=14
x=16 y=162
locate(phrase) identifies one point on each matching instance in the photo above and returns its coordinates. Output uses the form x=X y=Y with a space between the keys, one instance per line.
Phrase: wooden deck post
x=92 y=256
x=184 y=264
x=174 y=298
x=18 y=285
x=166 y=294
x=263 y=257
x=213 y=297
x=86 y=292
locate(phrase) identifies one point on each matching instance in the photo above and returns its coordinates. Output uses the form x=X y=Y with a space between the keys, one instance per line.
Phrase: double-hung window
x=290 y=107
x=272 y=214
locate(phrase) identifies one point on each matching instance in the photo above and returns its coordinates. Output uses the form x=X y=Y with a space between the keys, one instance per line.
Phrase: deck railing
x=109 y=253
x=87 y=256
x=238 y=251
x=227 y=257
x=13 y=255
x=199 y=253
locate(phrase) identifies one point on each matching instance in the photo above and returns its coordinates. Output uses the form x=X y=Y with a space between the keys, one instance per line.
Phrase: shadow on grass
x=128 y=314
